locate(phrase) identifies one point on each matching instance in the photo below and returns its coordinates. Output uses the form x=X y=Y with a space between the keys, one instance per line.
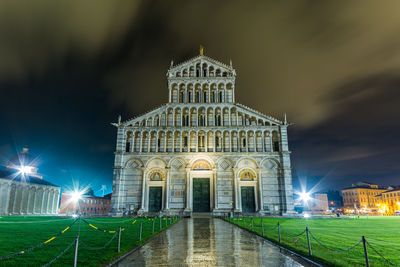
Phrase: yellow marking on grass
x=50 y=240
x=65 y=230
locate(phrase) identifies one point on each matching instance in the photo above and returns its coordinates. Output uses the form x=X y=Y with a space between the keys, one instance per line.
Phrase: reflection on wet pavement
x=207 y=242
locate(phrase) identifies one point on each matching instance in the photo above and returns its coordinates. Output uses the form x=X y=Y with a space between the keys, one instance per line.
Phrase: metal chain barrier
x=113 y=222
x=99 y=248
x=59 y=255
x=388 y=261
x=38 y=245
x=104 y=230
x=334 y=250
x=293 y=235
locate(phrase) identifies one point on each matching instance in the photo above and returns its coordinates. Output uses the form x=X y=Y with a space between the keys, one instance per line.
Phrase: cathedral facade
x=202 y=151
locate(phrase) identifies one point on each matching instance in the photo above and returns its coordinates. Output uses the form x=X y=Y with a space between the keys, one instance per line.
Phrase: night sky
x=69 y=68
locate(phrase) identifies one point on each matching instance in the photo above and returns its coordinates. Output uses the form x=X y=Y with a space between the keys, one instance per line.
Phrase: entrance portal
x=201 y=195
x=248 y=200
x=155 y=198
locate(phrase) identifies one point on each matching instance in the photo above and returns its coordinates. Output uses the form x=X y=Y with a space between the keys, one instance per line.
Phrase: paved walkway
x=207 y=242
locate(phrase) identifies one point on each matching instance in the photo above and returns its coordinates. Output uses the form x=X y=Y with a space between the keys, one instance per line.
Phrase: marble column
x=167 y=182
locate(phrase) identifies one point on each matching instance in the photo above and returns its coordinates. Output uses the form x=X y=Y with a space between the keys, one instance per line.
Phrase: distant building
x=389 y=201
x=23 y=190
x=89 y=205
x=320 y=203
x=362 y=195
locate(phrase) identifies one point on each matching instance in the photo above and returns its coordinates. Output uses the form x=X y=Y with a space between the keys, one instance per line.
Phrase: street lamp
x=304 y=196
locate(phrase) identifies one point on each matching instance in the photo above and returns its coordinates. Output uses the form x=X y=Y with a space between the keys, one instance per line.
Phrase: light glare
x=305 y=196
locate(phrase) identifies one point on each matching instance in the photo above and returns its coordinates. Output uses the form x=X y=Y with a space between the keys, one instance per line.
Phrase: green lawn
x=20 y=235
x=383 y=233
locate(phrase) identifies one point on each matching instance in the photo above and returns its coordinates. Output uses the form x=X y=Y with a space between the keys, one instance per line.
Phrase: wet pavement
x=207 y=242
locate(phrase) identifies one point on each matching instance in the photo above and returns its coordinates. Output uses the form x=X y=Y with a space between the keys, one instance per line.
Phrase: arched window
x=197 y=73
x=128 y=142
x=205 y=97
x=158 y=122
x=185 y=120
x=244 y=142
x=198 y=97
x=182 y=97
x=205 y=73
x=220 y=97
x=190 y=96
x=217 y=144
x=218 y=120
x=201 y=120
x=185 y=141
x=213 y=97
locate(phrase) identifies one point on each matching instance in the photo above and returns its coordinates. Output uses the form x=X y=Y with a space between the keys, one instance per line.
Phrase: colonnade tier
x=202 y=141
x=21 y=199
x=190 y=92
x=202 y=116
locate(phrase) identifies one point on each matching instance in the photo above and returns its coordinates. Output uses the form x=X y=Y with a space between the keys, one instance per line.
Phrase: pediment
x=184 y=69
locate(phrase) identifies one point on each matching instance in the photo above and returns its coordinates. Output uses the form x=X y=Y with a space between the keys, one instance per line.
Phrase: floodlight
x=76 y=196
x=74 y=215
x=306 y=215
x=305 y=196
x=25 y=169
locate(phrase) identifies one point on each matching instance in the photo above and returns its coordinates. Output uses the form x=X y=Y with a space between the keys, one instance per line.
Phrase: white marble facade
x=202 y=133
x=24 y=198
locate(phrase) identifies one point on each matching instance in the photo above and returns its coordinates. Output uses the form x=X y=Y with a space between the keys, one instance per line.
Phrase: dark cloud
x=68 y=68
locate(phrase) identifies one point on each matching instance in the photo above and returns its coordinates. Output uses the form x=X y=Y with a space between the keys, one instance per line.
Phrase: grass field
x=381 y=232
x=20 y=233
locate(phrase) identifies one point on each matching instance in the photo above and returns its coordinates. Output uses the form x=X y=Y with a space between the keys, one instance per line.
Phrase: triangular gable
x=202 y=59
x=244 y=108
x=143 y=116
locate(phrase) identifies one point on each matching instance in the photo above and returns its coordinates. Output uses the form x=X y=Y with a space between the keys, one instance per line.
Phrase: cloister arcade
x=202 y=92
x=202 y=116
x=202 y=141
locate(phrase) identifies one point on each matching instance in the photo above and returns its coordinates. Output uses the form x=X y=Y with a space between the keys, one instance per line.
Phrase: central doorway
x=248 y=199
x=201 y=195
x=155 y=198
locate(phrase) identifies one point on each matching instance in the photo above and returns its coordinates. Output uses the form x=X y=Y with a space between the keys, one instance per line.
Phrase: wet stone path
x=207 y=242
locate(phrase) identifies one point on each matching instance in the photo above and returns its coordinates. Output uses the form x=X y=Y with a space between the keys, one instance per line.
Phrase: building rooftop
x=8 y=175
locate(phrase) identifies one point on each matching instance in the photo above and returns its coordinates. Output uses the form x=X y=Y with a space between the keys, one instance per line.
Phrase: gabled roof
x=24 y=179
x=203 y=58
x=236 y=105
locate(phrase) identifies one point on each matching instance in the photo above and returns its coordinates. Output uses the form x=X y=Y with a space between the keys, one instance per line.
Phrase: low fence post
x=140 y=231
x=262 y=226
x=308 y=242
x=279 y=232
x=365 y=251
x=76 y=251
x=154 y=221
x=119 y=240
x=252 y=224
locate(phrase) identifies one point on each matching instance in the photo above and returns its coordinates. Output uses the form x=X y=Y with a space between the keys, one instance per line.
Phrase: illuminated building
x=23 y=190
x=89 y=205
x=202 y=151
x=389 y=200
x=361 y=195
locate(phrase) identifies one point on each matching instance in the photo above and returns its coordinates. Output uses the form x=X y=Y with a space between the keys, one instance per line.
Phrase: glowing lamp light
x=74 y=215
x=76 y=196
x=25 y=169
x=304 y=196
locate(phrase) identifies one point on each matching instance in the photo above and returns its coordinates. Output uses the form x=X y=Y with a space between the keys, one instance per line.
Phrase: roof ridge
x=200 y=56
x=144 y=113
x=258 y=112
